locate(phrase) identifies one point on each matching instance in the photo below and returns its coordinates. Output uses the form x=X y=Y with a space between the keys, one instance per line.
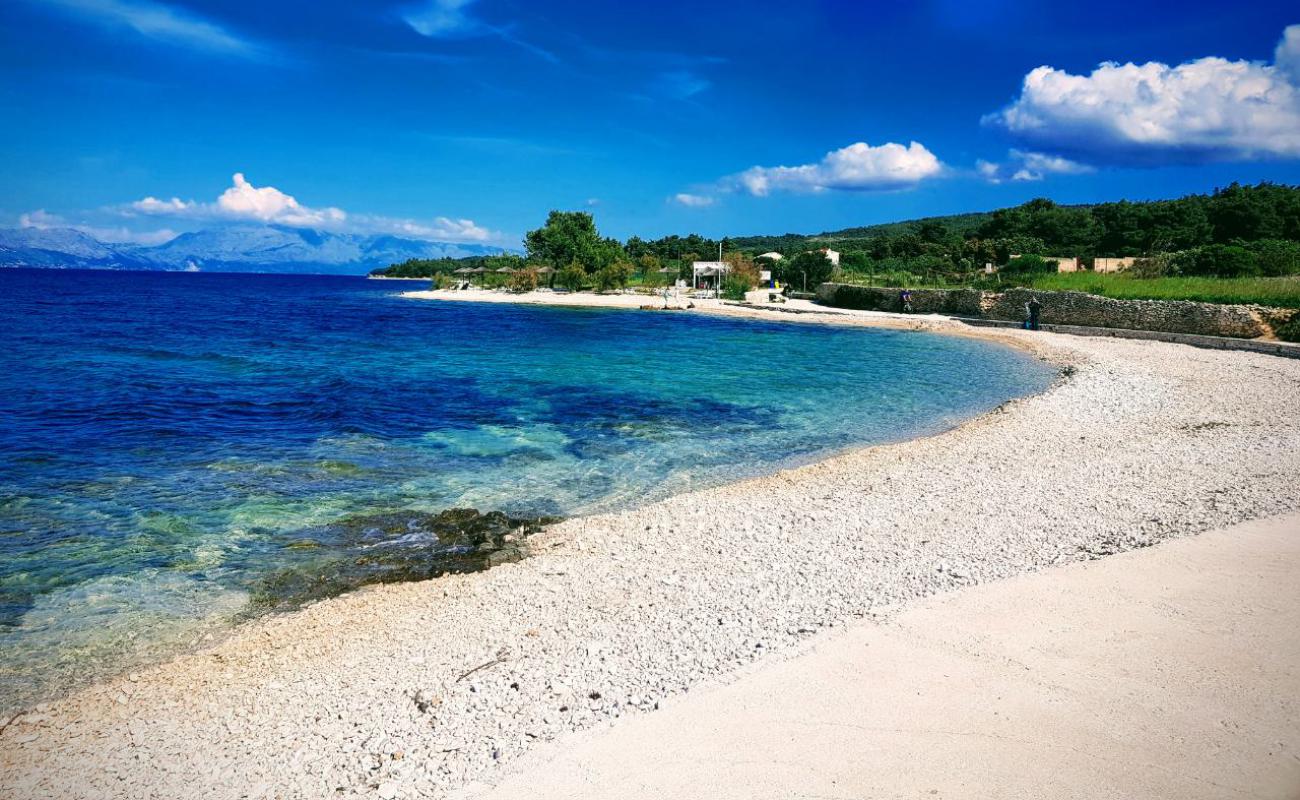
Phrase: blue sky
x=464 y=120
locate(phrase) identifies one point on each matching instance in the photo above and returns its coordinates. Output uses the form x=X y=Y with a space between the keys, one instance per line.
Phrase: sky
x=468 y=120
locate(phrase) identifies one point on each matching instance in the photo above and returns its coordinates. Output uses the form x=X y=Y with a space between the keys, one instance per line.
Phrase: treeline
x=429 y=267
x=1235 y=231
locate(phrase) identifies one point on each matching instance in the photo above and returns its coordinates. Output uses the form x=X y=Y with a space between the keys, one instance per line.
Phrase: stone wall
x=1073 y=308
x=954 y=302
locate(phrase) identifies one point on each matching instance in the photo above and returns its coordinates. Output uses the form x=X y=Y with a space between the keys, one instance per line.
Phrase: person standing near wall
x=1032 y=310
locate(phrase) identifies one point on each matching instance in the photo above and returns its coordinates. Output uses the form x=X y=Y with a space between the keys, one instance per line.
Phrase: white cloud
x=1287 y=55
x=269 y=204
x=1022 y=165
x=858 y=167
x=693 y=200
x=243 y=201
x=440 y=229
x=175 y=206
x=162 y=23
x=1210 y=108
x=40 y=219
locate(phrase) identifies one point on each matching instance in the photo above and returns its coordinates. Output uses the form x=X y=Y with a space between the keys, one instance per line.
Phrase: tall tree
x=571 y=237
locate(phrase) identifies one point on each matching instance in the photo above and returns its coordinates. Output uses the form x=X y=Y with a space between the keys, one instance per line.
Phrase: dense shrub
x=1290 y=330
x=524 y=280
x=1216 y=260
x=1029 y=265
x=1277 y=257
x=572 y=277
x=734 y=287
x=613 y=276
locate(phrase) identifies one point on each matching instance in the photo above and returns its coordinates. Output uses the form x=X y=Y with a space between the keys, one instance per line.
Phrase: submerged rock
x=395 y=546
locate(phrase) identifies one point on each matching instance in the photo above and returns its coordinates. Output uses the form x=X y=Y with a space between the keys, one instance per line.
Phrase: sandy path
x=363 y=695
x=1168 y=672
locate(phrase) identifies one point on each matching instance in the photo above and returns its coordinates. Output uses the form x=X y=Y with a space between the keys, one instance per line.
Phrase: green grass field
x=1281 y=292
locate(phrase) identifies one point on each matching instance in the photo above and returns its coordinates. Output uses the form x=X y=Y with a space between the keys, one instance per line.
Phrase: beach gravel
x=426 y=689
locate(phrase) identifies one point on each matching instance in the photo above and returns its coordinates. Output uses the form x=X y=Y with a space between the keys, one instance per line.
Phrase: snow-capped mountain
x=259 y=248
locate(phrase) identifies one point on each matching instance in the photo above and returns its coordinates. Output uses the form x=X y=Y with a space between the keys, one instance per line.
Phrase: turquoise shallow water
x=171 y=442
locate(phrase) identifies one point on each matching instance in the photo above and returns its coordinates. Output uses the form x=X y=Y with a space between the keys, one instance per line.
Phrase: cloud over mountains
x=244 y=202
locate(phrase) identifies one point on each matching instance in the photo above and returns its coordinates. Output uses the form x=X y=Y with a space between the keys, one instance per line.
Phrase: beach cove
x=419 y=689
x=294 y=438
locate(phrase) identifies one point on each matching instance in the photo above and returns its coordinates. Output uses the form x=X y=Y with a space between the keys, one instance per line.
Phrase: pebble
x=639 y=606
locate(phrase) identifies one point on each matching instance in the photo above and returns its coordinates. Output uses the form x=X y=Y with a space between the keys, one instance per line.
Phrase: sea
x=181 y=452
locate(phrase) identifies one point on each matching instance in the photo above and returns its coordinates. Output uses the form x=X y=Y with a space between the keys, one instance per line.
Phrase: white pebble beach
x=424 y=689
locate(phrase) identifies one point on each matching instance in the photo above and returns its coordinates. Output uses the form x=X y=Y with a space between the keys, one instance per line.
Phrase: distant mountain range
x=261 y=248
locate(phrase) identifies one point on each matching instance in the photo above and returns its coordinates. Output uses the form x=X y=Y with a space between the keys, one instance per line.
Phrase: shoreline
x=614 y=599
x=214 y=635
x=793 y=311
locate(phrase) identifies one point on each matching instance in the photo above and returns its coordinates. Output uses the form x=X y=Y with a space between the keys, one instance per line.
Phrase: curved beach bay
x=163 y=478
x=414 y=689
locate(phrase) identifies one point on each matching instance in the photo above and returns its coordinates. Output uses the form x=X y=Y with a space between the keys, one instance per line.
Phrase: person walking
x=1032 y=310
x=905 y=300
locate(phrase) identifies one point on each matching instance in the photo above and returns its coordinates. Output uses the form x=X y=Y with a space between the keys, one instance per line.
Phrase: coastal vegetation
x=1236 y=244
x=1280 y=292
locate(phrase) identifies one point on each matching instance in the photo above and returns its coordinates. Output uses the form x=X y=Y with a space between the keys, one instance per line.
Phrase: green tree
x=806 y=270
x=568 y=237
x=1216 y=260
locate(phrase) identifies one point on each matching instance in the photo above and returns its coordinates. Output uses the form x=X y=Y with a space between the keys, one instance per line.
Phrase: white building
x=832 y=256
x=774 y=256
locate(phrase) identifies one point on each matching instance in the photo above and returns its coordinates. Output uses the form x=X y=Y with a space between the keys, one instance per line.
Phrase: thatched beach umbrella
x=479 y=270
x=506 y=270
x=463 y=271
x=545 y=271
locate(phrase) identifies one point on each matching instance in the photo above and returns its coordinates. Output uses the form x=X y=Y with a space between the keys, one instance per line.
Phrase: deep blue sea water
x=168 y=441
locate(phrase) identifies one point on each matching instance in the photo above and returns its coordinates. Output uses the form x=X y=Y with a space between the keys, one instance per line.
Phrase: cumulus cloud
x=858 y=167
x=161 y=22
x=1022 y=165
x=1207 y=109
x=1287 y=55
x=244 y=202
x=269 y=204
x=693 y=200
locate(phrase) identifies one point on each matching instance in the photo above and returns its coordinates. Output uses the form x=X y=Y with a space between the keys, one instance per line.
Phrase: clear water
x=168 y=441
